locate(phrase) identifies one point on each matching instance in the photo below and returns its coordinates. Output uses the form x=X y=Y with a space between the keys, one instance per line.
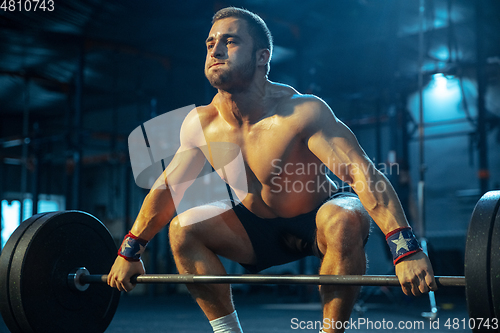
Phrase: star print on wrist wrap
x=132 y=247
x=402 y=243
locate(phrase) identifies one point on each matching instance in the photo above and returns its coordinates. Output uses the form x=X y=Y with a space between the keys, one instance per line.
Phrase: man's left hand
x=416 y=275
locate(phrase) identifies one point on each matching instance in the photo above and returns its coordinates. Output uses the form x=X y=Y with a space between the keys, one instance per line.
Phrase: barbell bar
x=46 y=285
x=81 y=279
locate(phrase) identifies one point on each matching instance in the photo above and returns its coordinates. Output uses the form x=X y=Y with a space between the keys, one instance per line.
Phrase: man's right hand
x=121 y=272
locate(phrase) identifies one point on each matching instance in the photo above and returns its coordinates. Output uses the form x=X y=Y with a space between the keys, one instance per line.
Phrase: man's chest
x=263 y=148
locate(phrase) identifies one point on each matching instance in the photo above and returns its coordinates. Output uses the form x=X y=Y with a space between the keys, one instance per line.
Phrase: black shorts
x=280 y=240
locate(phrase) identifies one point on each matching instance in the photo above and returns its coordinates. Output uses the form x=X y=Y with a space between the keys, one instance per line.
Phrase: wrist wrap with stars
x=132 y=247
x=402 y=243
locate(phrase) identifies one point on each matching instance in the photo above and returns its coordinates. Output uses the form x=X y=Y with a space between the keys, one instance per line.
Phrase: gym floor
x=269 y=309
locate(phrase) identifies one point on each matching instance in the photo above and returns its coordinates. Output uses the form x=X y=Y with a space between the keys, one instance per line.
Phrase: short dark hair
x=257 y=28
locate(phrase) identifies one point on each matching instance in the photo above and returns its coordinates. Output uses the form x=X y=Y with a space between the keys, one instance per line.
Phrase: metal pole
x=26 y=141
x=351 y=280
x=77 y=126
x=421 y=123
x=421 y=126
x=36 y=178
x=483 y=173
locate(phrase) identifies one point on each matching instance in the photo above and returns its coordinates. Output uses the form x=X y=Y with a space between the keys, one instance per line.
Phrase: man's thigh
x=222 y=232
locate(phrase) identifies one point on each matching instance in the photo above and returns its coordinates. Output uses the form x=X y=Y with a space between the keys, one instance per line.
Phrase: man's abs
x=289 y=197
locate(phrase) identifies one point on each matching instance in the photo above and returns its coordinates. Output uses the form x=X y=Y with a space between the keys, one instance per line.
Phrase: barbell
x=46 y=283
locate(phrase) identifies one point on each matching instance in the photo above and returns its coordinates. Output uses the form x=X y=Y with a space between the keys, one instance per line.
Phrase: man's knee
x=182 y=236
x=345 y=223
x=204 y=226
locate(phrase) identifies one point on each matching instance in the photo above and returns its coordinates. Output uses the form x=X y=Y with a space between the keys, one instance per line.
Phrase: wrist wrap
x=132 y=247
x=402 y=243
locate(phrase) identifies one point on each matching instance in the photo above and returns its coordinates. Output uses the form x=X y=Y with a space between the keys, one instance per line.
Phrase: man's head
x=238 y=47
x=257 y=28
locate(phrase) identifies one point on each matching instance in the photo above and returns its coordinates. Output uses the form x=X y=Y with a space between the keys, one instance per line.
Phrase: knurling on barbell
x=42 y=291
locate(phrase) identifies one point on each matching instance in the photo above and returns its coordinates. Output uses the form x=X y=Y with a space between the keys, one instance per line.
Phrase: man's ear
x=263 y=56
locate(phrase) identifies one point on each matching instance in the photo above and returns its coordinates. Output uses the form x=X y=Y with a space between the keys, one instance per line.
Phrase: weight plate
x=478 y=258
x=5 y=264
x=495 y=265
x=49 y=249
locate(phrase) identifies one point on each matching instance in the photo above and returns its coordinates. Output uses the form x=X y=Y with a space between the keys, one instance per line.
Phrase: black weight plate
x=478 y=258
x=495 y=265
x=48 y=251
x=5 y=264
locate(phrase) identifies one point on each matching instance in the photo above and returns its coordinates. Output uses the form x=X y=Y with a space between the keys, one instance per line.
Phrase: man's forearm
x=157 y=210
x=382 y=203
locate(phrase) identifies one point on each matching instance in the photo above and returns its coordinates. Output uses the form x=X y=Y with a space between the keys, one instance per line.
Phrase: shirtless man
x=278 y=130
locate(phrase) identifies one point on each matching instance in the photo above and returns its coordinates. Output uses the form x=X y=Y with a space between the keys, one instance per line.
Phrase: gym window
x=11 y=212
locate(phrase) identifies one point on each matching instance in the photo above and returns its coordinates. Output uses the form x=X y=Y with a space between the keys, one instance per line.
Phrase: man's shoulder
x=306 y=108
x=308 y=102
x=289 y=96
x=306 y=113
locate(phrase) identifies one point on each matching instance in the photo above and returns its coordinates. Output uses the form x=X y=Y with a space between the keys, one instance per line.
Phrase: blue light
x=442 y=99
x=441 y=52
x=440 y=83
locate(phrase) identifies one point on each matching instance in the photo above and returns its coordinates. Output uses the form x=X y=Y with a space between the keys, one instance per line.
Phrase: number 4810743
x=27 y=5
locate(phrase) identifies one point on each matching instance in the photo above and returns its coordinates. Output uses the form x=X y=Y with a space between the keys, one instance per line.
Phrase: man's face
x=231 y=60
